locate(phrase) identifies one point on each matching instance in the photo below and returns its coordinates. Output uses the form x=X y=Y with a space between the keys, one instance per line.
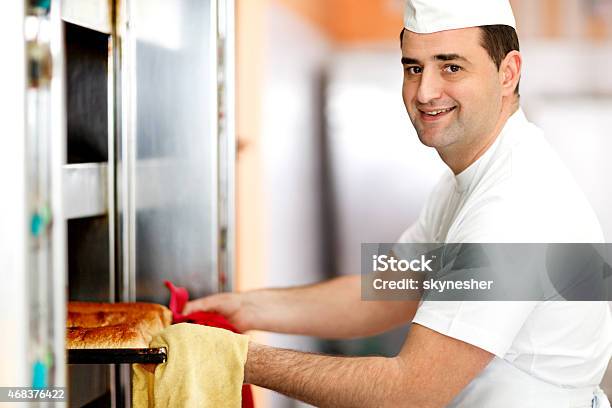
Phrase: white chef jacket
x=547 y=354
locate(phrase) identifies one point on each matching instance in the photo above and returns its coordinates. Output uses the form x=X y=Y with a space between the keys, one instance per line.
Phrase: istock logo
x=384 y=263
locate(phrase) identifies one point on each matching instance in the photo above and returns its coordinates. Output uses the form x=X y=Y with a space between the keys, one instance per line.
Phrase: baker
x=462 y=67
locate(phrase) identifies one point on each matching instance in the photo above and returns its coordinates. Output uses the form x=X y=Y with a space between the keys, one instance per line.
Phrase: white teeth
x=435 y=113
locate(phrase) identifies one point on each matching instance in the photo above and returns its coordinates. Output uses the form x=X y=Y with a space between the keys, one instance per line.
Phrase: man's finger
x=205 y=305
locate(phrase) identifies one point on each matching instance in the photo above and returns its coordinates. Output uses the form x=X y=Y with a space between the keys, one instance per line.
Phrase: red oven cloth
x=178 y=298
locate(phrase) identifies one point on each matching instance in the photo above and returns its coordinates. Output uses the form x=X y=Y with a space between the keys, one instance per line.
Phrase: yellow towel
x=205 y=368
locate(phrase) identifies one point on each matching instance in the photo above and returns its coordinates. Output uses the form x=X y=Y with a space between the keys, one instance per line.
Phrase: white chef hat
x=430 y=16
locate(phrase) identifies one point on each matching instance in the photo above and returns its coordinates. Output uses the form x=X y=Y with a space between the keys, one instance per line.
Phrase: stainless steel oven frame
x=156 y=202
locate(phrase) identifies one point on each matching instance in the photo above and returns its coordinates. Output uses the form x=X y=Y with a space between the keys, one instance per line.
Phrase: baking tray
x=117 y=356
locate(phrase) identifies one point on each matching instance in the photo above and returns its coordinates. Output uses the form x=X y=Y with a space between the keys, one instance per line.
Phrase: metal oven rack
x=117 y=356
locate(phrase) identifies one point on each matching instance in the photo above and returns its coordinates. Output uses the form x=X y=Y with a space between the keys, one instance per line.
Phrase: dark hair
x=498 y=41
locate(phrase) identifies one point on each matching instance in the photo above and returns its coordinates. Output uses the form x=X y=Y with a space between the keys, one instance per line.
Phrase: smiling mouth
x=438 y=112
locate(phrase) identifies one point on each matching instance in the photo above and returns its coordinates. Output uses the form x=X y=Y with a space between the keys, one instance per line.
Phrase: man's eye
x=414 y=70
x=453 y=69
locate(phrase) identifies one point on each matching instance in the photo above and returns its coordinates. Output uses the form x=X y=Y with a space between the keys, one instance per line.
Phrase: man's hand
x=236 y=307
x=332 y=310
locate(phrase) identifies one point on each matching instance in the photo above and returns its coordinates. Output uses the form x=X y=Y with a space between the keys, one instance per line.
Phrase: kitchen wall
x=295 y=57
x=281 y=58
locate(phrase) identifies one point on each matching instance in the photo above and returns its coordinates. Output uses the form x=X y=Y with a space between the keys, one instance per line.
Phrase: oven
x=128 y=168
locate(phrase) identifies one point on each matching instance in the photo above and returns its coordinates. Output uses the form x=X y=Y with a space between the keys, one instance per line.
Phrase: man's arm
x=331 y=309
x=429 y=372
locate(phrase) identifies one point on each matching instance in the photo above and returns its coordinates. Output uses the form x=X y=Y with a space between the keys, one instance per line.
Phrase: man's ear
x=510 y=72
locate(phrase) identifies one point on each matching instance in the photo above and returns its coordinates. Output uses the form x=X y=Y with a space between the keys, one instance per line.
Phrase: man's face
x=452 y=88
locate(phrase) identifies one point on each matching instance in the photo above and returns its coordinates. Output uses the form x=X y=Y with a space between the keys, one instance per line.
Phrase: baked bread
x=108 y=337
x=114 y=325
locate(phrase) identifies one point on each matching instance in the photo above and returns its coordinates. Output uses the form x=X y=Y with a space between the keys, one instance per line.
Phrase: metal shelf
x=93 y=14
x=85 y=190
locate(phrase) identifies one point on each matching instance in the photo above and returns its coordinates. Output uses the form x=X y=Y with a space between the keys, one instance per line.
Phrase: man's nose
x=430 y=87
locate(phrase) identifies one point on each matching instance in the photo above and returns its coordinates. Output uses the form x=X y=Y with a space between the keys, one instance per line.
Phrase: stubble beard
x=438 y=137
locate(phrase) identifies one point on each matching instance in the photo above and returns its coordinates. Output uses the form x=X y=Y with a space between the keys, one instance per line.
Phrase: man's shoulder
x=528 y=194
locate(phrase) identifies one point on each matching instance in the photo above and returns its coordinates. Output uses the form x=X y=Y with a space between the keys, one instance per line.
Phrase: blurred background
x=327 y=158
